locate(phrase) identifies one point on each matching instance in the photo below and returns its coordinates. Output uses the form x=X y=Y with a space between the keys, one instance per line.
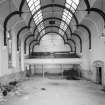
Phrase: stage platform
x=53 y=61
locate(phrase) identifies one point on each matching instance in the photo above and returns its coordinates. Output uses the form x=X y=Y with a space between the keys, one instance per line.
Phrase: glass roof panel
x=33 y=11
x=35 y=5
x=42 y=33
x=73 y=10
x=65 y=11
x=32 y=7
x=74 y=6
x=61 y=32
x=30 y=3
x=67 y=16
x=39 y=12
x=28 y=0
x=70 y=14
x=67 y=5
x=76 y=1
x=69 y=1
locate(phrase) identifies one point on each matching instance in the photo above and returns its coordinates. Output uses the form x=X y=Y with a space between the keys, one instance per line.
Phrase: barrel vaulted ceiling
x=51 y=16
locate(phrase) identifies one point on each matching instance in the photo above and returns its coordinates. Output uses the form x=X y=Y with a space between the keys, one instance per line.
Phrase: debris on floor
x=12 y=88
x=19 y=92
x=63 y=92
x=103 y=88
x=2 y=99
x=43 y=89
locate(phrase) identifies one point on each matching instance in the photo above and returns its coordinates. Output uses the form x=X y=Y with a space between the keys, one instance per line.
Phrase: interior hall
x=52 y=52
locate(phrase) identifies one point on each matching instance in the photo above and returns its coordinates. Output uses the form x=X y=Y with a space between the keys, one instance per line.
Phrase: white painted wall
x=3 y=55
x=51 y=43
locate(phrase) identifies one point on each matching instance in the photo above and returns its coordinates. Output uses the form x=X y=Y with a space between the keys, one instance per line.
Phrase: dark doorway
x=99 y=75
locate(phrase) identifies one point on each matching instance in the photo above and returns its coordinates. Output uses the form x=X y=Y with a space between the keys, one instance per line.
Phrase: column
x=14 y=50
x=3 y=54
x=22 y=54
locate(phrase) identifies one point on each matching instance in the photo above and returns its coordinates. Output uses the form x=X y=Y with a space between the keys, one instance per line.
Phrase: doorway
x=99 y=75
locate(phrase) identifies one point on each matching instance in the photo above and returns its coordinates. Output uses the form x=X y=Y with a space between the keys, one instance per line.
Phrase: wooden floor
x=39 y=91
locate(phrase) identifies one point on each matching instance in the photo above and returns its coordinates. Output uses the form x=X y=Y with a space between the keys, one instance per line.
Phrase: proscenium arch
x=51 y=27
x=65 y=42
x=73 y=43
x=53 y=5
x=25 y=41
x=60 y=36
x=46 y=19
x=52 y=32
x=6 y=22
x=18 y=34
x=69 y=46
x=75 y=34
x=89 y=33
x=99 y=11
x=33 y=47
x=66 y=35
x=32 y=43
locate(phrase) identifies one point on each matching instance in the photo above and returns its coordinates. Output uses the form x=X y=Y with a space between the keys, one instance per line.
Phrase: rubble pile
x=12 y=88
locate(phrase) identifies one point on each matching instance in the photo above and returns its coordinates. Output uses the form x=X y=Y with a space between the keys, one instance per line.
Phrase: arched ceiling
x=42 y=16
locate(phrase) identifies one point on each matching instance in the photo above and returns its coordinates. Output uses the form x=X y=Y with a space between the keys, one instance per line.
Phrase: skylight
x=67 y=16
x=34 y=5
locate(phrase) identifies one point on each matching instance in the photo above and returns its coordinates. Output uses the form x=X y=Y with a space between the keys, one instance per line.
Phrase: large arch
x=46 y=6
x=64 y=43
x=73 y=43
x=75 y=34
x=56 y=33
x=69 y=46
x=60 y=36
x=99 y=11
x=37 y=42
x=71 y=34
x=52 y=27
x=6 y=22
x=29 y=36
x=18 y=34
x=46 y=19
x=89 y=32
x=52 y=32
x=53 y=5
